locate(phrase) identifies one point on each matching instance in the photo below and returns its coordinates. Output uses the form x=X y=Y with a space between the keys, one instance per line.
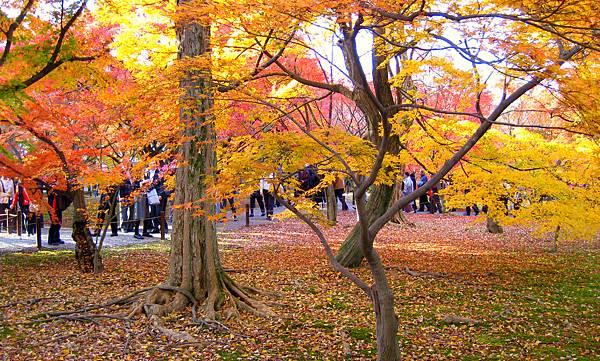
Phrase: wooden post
x=163 y=222
x=19 y=222
x=247 y=215
x=38 y=230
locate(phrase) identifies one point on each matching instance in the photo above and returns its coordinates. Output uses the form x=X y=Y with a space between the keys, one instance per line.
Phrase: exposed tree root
x=165 y=299
x=156 y=302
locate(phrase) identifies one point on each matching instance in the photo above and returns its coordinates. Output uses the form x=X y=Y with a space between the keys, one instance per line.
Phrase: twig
x=29 y=302
x=59 y=338
x=186 y=344
x=87 y=317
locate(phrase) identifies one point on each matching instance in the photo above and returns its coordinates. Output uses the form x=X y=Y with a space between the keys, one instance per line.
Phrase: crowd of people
x=430 y=201
x=142 y=203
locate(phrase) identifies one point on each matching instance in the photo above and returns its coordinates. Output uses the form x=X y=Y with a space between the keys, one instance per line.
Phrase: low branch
x=330 y=256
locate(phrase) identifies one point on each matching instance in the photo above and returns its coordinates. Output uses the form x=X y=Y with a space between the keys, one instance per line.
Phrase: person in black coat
x=127 y=208
x=58 y=203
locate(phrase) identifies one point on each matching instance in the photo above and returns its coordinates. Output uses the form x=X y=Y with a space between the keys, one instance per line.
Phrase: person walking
x=265 y=186
x=338 y=189
x=423 y=200
x=106 y=208
x=407 y=188
x=413 y=177
x=58 y=203
x=436 y=204
x=20 y=203
x=255 y=197
x=7 y=189
x=141 y=209
x=126 y=204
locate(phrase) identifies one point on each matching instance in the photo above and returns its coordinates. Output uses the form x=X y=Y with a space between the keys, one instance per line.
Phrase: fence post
x=38 y=230
x=163 y=222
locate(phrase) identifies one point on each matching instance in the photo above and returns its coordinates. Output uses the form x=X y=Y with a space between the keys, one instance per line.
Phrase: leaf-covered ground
x=530 y=303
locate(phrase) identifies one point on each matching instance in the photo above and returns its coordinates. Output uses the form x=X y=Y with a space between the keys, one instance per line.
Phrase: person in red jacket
x=20 y=202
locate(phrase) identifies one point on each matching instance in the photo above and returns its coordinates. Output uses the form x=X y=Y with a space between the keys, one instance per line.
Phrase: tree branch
x=12 y=28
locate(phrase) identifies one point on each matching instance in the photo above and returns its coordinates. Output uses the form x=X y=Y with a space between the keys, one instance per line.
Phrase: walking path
x=13 y=243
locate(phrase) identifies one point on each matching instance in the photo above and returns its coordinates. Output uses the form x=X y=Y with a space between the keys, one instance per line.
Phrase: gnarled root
x=230 y=298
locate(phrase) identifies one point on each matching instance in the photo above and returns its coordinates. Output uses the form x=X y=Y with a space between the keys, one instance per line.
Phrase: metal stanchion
x=38 y=230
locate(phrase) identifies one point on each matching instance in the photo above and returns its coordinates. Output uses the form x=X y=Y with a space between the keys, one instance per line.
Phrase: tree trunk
x=85 y=248
x=331 y=204
x=386 y=324
x=194 y=264
x=195 y=272
x=383 y=305
x=350 y=253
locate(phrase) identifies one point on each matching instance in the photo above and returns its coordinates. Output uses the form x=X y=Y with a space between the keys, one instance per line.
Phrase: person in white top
x=265 y=187
x=407 y=188
x=7 y=190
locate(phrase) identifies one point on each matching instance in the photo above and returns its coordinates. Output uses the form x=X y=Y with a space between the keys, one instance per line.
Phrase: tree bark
x=194 y=264
x=382 y=297
x=399 y=217
x=195 y=269
x=85 y=248
x=350 y=254
x=331 y=204
x=386 y=323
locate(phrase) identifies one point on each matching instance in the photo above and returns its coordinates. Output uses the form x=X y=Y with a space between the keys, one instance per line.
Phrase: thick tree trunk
x=85 y=248
x=194 y=264
x=350 y=253
x=195 y=272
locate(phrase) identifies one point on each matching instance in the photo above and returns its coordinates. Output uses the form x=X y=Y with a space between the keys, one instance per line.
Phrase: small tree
x=419 y=30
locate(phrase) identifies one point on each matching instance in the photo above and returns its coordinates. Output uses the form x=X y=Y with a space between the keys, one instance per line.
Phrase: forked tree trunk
x=350 y=253
x=85 y=248
x=194 y=268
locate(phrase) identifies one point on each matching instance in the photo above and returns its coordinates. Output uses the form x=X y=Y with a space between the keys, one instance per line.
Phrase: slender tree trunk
x=331 y=204
x=350 y=253
x=386 y=323
x=383 y=306
x=399 y=217
x=85 y=248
